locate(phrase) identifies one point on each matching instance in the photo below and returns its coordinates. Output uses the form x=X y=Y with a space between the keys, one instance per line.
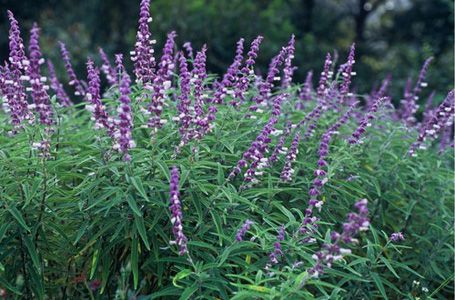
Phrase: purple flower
x=279 y=149
x=142 y=56
x=80 y=91
x=230 y=78
x=242 y=231
x=124 y=123
x=17 y=56
x=188 y=49
x=244 y=76
x=162 y=82
x=55 y=84
x=99 y=114
x=366 y=121
x=306 y=92
x=397 y=236
x=288 y=171
x=331 y=252
x=324 y=80
x=288 y=69
x=176 y=213
x=347 y=73
x=107 y=68
x=39 y=89
x=442 y=117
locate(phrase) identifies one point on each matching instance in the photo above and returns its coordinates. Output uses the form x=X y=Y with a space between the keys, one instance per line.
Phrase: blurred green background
x=392 y=36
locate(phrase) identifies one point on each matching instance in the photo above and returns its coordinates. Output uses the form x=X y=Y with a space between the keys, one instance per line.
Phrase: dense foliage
x=176 y=184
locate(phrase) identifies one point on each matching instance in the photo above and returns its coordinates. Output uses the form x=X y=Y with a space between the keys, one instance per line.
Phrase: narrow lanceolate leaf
x=133 y=205
x=140 y=226
x=32 y=252
x=18 y=216
x=134 y=260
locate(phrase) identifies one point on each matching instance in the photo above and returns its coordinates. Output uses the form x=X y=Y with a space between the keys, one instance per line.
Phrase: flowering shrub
x=180 y=184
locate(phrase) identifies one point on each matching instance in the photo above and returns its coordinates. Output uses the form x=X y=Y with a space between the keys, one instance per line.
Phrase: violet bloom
x=142 y=56
x=279 y=148
x=74 y=81
x=428 y=112
x=189 y=49
x=366 y=122
x=324 y=81
x=39 y=89
x=442 y=117
x=184 y=104
x=265 y=87
x=242 y=231
x=306 y=92
x=14 y=74
x=331 y=252
x=199 y=74
x=397 y=237
x=107 y=68
x=230 y=78
x=288 y=171
x=162 y=82
x=99 y=114
x=124 y=124
x=277 y=250
x=176 y=213
x=55 y=84
x=347 y=73
x=244 y=77
x=288 y=69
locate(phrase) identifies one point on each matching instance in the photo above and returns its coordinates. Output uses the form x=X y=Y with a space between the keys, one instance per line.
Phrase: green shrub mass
x=85 y=224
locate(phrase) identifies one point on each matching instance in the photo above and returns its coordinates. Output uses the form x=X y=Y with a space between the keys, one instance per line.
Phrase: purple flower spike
x=17 y=56
x=288 y=171
x=124 y=124
x=62 y=96
x=176 y=213
x=441 y=118
x=397 y=237
x=74 y=81
x=99 y=114
x=288 y=69
x=323 y=81
x=39 y=89
x=242 y=231
x=142 y=56
x=347 y=73
x=107 y=68
x=188 y=49
x=230 y=78
x=332 y=252
x=306 y=92
x=279 y=148
x=162 y=82
x=366 y=121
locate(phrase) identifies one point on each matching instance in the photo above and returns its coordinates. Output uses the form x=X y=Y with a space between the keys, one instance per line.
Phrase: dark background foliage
x=393 y=36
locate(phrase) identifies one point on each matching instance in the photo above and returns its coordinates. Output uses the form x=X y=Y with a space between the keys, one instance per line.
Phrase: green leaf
x=133 y=205
x=378 y=282
x=389 y=266
x=188 y=292
x=17 y=215
x=32 y=252
x=134 y=260
x=180 y=275
x=140 y=226
x=139 y=187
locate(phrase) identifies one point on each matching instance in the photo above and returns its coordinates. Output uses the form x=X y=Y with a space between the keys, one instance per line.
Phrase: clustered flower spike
x=288 y=171
x=176 y=213
x=306 y=92
x=347 y=73
x=124 y=123
x=324 y=80
x=230 y=78
x=409 y=104
x=99 y=114
x=162 y=83
x=397 y=237
x=279 y=148
x=14 y=74
x=244 y=78
x=366 y=122
x=257 y=149
x=55 y=84
x=142 y=56
x=107 y=68
x=38 y=88
x=243 y=229
x=74 y=81
x=188 y=49
x=265 y=87
x=277 y=250
x=288 y=69
x=331 y=252
x=442 y=117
